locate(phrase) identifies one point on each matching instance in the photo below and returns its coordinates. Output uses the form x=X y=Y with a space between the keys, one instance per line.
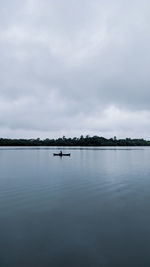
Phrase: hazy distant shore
x=81 y=141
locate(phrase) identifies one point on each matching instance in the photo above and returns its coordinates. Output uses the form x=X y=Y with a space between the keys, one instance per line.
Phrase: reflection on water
x=90 y=209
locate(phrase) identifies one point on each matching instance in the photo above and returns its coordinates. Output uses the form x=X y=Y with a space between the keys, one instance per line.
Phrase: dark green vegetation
x=82 y=141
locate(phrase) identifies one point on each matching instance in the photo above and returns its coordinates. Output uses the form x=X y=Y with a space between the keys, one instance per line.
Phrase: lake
x=88 y=210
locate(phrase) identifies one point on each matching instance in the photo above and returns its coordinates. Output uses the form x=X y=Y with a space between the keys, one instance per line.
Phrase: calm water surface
x=88 y=210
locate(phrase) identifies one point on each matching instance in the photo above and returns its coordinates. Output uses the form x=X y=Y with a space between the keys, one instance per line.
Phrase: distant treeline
x=81 y=141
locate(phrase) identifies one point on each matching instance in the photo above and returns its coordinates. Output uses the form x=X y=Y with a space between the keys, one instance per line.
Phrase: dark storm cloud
x=72 y=67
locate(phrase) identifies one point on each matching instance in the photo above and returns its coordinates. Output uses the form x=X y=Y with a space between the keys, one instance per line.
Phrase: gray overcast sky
x=72 y=67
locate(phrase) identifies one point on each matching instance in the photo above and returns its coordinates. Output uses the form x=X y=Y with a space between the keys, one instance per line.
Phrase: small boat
x=61 y=154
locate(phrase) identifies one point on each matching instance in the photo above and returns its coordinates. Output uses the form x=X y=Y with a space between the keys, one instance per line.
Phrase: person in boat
x=60 y=153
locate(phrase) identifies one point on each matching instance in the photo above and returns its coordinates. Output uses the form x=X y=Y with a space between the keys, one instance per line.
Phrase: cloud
x=73 y=67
